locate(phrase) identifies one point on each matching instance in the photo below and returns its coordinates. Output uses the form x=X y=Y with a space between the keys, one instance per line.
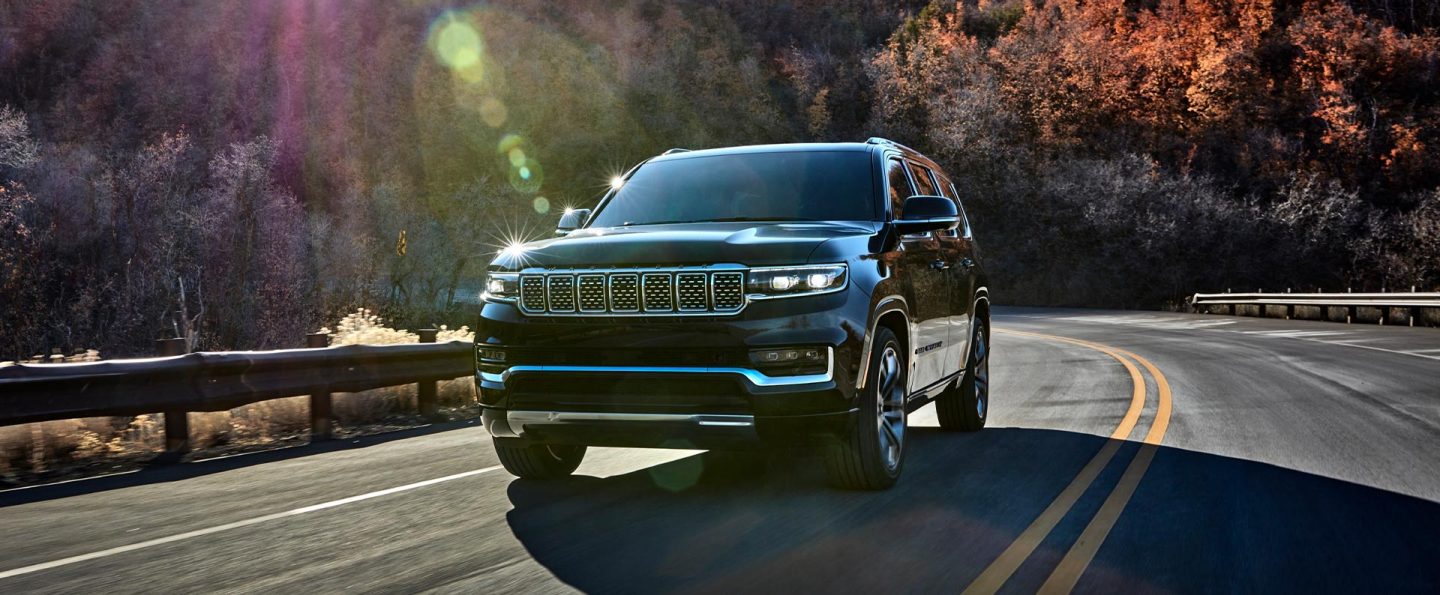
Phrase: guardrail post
x=321 y=426
x=1414 y=312
x=177 y=423
x=426 y=391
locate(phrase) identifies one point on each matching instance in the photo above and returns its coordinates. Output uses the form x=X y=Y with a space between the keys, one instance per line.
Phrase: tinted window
x=949 y=189
x=782 y=186
x=899 y=186
x=923 y=183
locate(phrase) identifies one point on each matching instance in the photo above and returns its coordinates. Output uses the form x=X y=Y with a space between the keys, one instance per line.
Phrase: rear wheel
x=872 y=453
x=538 y=461
x=965 y=407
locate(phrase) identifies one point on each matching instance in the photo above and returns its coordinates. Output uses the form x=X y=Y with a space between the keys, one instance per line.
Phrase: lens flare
x=457 y=44
x=616 y=182
x=509 y=141
x=517 y=157
x=515 y=248
x=541 y=204
x=527 y=177
x=493 y=112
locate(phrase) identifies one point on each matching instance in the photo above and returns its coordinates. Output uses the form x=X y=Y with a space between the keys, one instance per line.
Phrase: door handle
x=939 y=265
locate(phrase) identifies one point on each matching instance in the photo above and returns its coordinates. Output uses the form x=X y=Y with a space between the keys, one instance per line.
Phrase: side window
x=899 y=185
x=949 y=189
x=923 y=183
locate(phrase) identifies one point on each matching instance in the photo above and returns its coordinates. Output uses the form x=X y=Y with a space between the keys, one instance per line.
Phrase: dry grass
x=50 y=451
x=41 y=452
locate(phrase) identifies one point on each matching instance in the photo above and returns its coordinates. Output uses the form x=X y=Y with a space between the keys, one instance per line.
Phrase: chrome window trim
x=753 y=376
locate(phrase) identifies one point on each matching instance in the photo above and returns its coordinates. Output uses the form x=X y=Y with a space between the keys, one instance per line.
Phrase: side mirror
x=571 y=221
x=927 y=213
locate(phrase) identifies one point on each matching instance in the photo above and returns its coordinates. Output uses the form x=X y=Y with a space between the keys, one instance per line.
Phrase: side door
x=927 y=289
x=960 y=250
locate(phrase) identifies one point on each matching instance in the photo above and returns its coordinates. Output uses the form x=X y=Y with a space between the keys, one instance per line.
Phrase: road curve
x=1126 y=451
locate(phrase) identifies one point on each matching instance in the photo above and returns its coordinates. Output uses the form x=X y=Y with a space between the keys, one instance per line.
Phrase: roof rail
x=875 y=140
x=676 y=150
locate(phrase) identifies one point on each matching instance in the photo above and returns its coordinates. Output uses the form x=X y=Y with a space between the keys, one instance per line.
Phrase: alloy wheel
x=982 y=372
x=890 y=406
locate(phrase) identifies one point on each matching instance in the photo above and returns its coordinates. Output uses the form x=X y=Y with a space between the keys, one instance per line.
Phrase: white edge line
x=1339 y=344
x=237 y=524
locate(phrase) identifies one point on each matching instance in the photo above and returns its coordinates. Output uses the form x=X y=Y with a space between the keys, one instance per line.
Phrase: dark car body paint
x=887 y=273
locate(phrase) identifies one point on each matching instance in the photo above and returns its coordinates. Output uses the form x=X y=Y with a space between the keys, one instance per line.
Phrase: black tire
x=859 y=460
x=538 y=461
x=965 y=406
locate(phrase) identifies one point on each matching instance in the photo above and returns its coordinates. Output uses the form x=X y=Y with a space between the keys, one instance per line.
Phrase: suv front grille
x=658 y=294
x=560 y=290
x=691 y=290
x=638 y=292
x=729 y=290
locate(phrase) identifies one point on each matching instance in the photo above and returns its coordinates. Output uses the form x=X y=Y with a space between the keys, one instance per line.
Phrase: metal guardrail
x=218 y=381
x=1411 y=301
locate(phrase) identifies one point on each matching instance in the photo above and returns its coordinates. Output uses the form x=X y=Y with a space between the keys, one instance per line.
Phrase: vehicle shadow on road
x=1198 y=522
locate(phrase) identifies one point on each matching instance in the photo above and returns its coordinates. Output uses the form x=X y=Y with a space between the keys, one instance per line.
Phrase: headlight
x=501 y=287
x=774 y=282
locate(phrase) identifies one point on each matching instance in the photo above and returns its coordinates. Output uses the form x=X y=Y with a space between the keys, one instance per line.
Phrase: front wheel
x=870 y=455
x=538 y=461
x=964 y=407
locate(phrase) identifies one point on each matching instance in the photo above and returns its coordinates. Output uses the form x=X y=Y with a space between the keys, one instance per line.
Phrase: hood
x=744 y=243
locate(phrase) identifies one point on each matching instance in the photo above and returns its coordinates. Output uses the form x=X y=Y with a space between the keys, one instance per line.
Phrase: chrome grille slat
x=560 y=291
x=657 y=292
x=532 y=293
x=694 y=291
x=728 y=290
x=591 y=289
x=691 y=293
x=624 y=292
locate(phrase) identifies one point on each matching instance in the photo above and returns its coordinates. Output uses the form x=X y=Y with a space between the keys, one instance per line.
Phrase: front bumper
x=664 y=430
x=658 y=381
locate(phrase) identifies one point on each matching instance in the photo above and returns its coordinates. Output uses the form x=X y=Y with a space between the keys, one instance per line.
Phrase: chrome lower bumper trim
x=520 y=419
x=755 y=377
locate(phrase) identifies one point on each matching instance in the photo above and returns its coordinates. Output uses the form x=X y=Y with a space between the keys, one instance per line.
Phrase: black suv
x=805 y=294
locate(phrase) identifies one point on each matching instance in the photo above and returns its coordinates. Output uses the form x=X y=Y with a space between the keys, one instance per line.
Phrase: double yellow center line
x=1077 y=559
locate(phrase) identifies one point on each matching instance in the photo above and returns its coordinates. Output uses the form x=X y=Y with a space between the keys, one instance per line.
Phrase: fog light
x=791 y=361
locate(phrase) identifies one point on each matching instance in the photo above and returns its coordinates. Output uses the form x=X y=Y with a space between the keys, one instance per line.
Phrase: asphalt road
x=1256 y=455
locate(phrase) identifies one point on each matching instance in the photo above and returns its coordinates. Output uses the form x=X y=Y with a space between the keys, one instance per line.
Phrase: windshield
x=780 y=186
